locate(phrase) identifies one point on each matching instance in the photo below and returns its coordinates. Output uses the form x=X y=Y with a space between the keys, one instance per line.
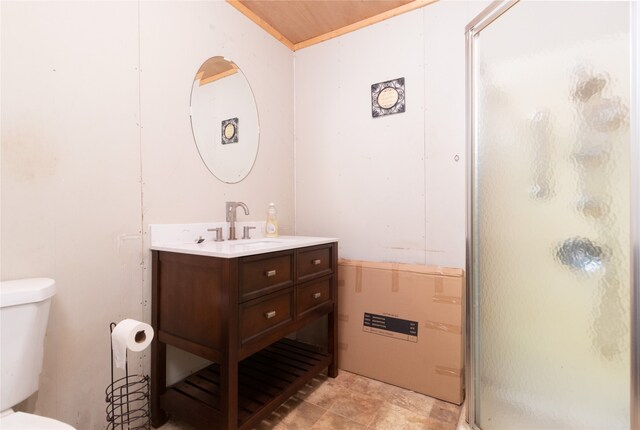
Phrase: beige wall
x=96 y=144
x=388 y=187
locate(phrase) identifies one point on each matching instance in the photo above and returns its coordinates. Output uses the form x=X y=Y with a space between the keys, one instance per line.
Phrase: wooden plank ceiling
x=302 y=23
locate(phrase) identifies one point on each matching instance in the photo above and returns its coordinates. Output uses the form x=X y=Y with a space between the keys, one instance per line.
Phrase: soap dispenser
x=271 y=229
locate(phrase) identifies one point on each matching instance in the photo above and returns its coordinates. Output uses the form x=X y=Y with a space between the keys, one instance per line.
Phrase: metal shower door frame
x=472 y=31
x=635 y=215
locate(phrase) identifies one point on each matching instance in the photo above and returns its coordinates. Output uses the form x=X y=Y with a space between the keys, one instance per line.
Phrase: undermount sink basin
x=182 y=239
x=251 y=242
x=235 y=245
x=262 y=241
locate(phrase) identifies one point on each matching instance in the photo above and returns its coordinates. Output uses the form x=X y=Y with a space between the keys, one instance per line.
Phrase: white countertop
x=182 y=238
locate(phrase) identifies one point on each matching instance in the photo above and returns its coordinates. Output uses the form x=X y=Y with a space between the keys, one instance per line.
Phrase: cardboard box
x=403 y=324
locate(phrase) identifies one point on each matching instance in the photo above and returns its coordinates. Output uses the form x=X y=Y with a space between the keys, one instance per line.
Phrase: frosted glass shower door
x=550 y=217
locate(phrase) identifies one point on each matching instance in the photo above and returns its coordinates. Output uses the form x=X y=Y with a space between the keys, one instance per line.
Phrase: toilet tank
x=24 y=312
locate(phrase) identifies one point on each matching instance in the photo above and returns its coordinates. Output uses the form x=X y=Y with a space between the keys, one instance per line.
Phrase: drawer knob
x=270 y=314
x=269 y=273
x=316 y=295
x=316 y=262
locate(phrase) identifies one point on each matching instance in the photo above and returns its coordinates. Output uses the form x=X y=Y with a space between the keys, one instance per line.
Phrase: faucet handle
x=218 y=231
x=246 y=231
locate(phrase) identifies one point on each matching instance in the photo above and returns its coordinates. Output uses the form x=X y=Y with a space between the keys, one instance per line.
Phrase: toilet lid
x=22 y=421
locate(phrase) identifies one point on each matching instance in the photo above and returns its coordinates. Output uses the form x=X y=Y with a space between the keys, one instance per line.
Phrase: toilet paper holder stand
x=127 y=398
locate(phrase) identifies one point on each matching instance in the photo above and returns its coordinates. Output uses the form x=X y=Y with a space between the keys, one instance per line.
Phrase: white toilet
x=24 y=311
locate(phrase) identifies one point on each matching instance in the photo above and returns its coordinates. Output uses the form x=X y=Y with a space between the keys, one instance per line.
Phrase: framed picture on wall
x=387 y=98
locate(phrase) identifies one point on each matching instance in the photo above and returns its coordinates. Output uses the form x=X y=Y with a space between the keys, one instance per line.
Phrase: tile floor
x=353 y=402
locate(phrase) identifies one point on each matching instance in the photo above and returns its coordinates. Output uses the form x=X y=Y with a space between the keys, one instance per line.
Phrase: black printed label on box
x=391 y=327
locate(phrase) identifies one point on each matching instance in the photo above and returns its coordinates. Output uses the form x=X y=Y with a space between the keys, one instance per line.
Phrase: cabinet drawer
x=259 y=316
x=312 y=295
x=313 y=262
x=260 y=276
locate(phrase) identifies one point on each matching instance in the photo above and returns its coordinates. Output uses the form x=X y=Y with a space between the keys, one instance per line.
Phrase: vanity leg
x=332 y=329
x=158 y=350
x=158 y=381
x=332 y=372
x=229 y=364
x=229 y=396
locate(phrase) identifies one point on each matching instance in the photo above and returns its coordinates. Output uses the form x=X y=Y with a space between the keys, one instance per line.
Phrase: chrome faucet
x=231 y=217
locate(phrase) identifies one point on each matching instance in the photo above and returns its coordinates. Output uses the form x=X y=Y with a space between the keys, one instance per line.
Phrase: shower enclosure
x=553 y=216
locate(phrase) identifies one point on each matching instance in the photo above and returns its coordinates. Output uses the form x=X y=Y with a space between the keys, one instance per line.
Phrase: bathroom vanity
x=235 y=305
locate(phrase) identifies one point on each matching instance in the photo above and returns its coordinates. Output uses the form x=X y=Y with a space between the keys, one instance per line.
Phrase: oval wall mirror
x=224 y=119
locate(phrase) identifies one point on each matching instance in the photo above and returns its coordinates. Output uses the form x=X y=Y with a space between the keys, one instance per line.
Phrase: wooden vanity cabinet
x=237 y=313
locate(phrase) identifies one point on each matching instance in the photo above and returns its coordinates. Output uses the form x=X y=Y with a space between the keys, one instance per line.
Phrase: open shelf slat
x=266 y=379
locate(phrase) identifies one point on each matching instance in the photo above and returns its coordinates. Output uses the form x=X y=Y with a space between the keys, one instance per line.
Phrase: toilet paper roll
x=132 y=335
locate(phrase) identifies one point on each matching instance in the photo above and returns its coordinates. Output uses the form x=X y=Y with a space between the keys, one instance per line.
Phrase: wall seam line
x=142 y=239
x=295 y=149
x=424 y=132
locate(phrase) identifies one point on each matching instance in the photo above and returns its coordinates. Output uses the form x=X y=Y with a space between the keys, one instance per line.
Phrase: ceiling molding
x=262 y=22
